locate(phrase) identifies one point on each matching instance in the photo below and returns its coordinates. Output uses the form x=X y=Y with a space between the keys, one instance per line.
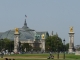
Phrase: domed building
x=27 y=35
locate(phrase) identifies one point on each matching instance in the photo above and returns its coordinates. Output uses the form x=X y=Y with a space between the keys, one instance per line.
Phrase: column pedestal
x=16 y=43
x=43 y=45
x=71 y=42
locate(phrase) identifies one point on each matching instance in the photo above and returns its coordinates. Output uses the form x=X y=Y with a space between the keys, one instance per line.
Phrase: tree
x=6 y=44
x=67 y=47
x=11 y=45
x=53 y=43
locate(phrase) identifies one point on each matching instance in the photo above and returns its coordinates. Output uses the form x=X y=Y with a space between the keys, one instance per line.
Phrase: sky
x=42 y=15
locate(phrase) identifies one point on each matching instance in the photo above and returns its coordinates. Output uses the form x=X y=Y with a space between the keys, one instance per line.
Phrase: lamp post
x=64 y=49
x=58 y=48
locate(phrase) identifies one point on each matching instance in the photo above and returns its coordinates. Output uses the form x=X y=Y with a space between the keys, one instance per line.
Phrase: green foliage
x=6 y=44
x=67 y=47
x=53 y=43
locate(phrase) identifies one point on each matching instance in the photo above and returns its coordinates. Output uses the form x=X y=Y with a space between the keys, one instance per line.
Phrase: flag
x=25 y=16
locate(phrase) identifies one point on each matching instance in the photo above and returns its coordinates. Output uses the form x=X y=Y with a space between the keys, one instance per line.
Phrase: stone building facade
x=27 y=35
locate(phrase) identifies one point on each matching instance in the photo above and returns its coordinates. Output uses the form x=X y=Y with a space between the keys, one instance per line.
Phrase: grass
x=41 y=57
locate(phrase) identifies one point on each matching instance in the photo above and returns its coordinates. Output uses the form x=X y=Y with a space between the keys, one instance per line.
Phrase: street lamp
x=58 y=48
x=64 y=49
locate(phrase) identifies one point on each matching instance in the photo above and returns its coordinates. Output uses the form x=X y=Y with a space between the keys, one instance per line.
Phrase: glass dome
x=25 y=33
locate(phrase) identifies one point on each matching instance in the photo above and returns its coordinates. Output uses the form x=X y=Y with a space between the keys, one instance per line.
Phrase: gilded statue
x=43 y=36
x=16 y=31
x=71 y=29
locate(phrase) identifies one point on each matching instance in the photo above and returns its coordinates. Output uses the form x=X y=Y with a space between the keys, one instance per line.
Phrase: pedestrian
x=51 y=56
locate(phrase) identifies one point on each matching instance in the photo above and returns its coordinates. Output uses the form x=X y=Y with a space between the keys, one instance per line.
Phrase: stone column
x=71 y=41
x=16 y=42
x=43 y=42
x=43 y=45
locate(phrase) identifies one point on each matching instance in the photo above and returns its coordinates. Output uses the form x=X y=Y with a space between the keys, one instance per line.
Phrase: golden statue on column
x=16 y=31
x=71 y=29
x=43 y=36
